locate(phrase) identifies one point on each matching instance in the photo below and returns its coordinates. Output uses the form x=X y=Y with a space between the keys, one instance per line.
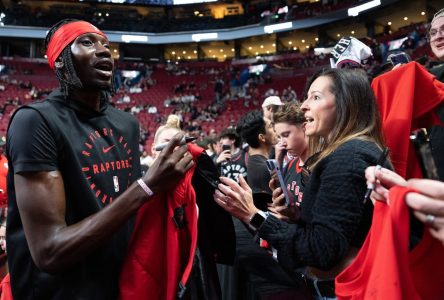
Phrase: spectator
x=333 y=220
x=271 y=105
x=232 y=161
x=259 y=133
x=289 y=125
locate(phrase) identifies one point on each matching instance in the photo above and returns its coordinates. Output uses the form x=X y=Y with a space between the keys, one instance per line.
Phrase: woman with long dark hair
x=343 y=125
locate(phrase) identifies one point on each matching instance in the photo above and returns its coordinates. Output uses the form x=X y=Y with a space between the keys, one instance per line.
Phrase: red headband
x=65 y=35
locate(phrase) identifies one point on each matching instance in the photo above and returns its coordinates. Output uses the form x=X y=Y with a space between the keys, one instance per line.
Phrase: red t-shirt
x=161 y=255
x=3 y=187
x=407 y=98
x=384 y=268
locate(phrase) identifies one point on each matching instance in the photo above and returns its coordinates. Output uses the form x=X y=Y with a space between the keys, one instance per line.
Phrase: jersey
x=293 y=179
x=384 y=268
x=97 y=154
x=236 y=166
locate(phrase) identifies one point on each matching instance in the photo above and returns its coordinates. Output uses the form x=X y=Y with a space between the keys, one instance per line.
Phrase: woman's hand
x=382 y=180
x=237 y=199
x=278 y=207
x=428 y=204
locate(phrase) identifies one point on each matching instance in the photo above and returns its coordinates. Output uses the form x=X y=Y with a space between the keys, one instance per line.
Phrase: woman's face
x=292 y=137
x=164 y=137
x=320 y=108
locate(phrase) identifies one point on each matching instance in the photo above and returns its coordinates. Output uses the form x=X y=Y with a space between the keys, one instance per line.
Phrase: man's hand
x=170 y=166
x=224 y=156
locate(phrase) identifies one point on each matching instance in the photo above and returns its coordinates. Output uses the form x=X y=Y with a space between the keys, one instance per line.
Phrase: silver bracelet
x=143 y=185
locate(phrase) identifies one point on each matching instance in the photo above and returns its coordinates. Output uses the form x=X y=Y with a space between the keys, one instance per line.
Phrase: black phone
x=398 y=58
x=421 y=141
x=226 y=147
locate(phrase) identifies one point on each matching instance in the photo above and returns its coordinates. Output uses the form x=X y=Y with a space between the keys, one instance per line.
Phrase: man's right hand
x=224 y=156
x=168 y=169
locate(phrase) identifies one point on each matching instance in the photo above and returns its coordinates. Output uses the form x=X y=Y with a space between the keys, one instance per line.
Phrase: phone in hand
x=398 y=58
x=273 y=167
x=226 y=147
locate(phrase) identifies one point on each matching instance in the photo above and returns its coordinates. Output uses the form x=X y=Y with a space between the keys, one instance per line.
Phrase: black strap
x=320 y=287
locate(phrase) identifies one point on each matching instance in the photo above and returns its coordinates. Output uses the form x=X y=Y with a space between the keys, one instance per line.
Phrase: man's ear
x=59 y=64
x=261 y=137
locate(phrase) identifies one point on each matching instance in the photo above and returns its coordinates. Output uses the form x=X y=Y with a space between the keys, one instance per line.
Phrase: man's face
x=271 y=137
x=267 y=112
x=292 y=137
x=92 y=61
x=436 y=34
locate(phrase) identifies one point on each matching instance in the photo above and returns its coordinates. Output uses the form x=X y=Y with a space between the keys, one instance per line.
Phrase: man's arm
x=41 y=201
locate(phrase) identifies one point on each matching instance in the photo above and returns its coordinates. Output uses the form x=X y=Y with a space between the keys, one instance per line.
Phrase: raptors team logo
x=107 y=164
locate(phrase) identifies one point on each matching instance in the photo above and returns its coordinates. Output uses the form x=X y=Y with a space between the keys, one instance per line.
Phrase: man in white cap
x=271 y=105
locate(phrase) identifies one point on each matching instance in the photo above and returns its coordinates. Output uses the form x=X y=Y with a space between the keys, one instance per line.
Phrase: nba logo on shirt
x=116 y=183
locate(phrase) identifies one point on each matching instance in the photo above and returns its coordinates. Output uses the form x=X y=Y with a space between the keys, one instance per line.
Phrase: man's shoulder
x=111 y=110
x=438 y=71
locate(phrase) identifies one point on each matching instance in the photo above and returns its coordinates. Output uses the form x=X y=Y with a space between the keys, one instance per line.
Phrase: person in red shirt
x=3 y=173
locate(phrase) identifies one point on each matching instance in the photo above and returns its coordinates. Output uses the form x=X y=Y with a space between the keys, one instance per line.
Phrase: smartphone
x=273 y=166
x=398 y=58
x=226 y=147
x=421 y=141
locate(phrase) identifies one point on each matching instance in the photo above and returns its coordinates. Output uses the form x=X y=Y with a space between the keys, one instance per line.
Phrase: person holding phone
x=289 y=124
x=334 y=220
x=232 y=161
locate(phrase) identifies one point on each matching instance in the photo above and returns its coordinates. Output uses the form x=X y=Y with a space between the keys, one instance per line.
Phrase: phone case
x=273 y=166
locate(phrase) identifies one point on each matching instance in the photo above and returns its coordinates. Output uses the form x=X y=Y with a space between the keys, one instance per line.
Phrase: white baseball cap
x=272 y=100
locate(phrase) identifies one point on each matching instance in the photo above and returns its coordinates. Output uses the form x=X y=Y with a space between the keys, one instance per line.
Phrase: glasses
x=433 y=33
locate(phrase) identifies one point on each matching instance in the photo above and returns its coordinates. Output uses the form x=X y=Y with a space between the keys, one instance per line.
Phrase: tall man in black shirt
x=74 y=182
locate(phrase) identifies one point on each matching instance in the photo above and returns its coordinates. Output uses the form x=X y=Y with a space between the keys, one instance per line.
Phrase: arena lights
x=354 y=11
x=277 y=27
x=197 y=37
x=128 y=38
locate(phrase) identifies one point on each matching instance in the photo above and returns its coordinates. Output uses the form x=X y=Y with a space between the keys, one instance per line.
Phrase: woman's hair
x=290 y=113
x=357 y=115
x=67 y=75
x=173 y=122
